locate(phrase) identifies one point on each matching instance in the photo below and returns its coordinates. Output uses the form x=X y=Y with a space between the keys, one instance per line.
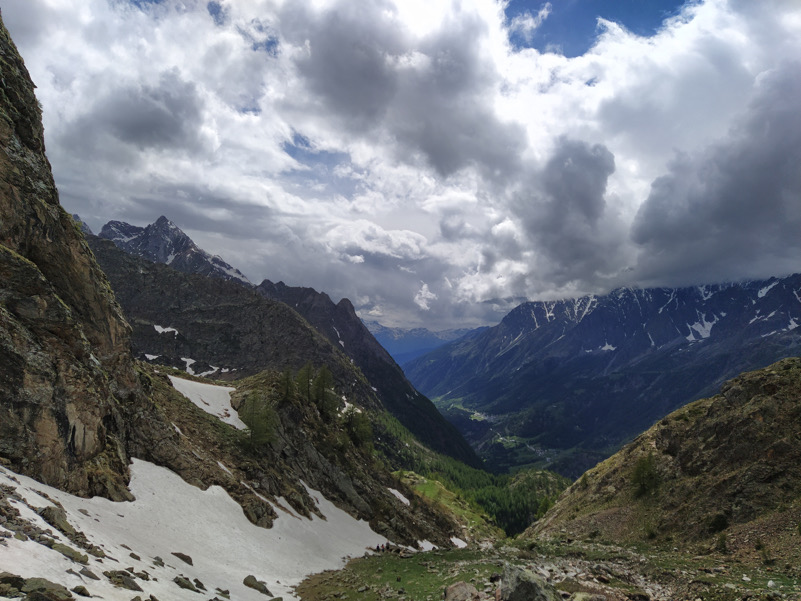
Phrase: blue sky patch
x=570 y=27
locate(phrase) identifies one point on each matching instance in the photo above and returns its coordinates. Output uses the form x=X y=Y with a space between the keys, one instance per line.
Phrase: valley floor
x=579 y=571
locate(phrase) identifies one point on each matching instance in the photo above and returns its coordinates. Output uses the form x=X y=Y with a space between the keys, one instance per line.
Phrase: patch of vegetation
x=258 y=413
x=388 y=575
x=645 y=476
x=718 y=523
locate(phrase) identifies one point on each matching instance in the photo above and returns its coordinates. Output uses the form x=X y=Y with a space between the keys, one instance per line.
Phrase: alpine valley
x=564 y=384
x=171 y=431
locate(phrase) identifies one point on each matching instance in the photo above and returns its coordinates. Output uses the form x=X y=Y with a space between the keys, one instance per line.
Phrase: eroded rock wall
x=65 y=360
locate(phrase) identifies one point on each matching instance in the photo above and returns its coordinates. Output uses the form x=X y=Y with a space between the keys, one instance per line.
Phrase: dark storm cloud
x=431 y=98
x=351 y=50
x=735 y=208
x=165 y=116
x=565 y=214
x=444 y=110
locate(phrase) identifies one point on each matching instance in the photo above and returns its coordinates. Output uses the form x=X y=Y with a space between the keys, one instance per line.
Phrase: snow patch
x=399 y=496
x=151 y=357
x=766 y=289
x=170 y=515
x=706 y=292
x=189 y=362
x=702 y=328
x=213 y=399
x=426 y=545
x=458 y=542
x=213 y=370
x=163 y=330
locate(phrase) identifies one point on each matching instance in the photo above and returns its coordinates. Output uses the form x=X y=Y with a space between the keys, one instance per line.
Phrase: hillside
x=563 y=384
x=340 y=324
x=721 y=475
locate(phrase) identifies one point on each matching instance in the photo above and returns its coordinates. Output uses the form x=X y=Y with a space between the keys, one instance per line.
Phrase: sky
x=436 y=162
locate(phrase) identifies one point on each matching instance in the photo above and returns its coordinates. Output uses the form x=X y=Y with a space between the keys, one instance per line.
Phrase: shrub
x=718 y=523
x=645 y=476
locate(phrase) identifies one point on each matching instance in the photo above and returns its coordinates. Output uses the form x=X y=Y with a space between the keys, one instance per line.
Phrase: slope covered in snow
x=170 y=516
x=213 y=399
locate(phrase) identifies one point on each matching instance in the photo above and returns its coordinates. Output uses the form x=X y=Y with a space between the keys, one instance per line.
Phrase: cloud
x=411 y=157
x=164 y=116
x=423 y=298
x=565 y=214
x=525 y=24
x=732 y=209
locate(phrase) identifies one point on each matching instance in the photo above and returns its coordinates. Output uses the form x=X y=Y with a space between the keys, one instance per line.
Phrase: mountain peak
x=164 y=242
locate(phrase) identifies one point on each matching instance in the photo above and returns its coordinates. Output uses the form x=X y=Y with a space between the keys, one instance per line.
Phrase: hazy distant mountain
x=565 y=383
x=164 y=242
x=406 y=344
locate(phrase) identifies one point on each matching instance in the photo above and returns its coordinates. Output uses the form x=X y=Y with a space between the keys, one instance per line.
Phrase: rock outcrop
x=65 y=363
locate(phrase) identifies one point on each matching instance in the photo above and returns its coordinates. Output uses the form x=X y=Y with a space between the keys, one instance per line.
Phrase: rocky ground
x=576 y=571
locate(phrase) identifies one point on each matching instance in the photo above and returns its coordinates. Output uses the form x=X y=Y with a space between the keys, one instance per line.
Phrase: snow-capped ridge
x=164 y=242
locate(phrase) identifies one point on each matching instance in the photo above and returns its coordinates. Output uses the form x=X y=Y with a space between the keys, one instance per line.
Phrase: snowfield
x=170 y=516
x=213 y=399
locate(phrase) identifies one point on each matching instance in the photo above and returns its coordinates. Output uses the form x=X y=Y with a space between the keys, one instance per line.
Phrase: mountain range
x=565 y=383
x=225 y=322
x=126 y=478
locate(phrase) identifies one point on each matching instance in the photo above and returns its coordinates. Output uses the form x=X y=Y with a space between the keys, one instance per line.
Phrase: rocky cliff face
x=575 y=379
x=65 y=363
x=721 y=474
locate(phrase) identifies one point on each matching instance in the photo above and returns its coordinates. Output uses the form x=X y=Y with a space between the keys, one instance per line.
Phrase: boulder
x=258 y=585
x=519 y=584
x=461 y=591
x=41 y=588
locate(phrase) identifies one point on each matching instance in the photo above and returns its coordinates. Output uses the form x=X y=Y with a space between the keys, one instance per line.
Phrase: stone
x=251 y=582
x=518 y=584
x=184 y=582
x=89 y=574
x=82 y=591
x=57 y=517
x=45 y=589
x=122 y=579
x=461 y=591
x=183 y=557
x=68 y=551
x=12 y=580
